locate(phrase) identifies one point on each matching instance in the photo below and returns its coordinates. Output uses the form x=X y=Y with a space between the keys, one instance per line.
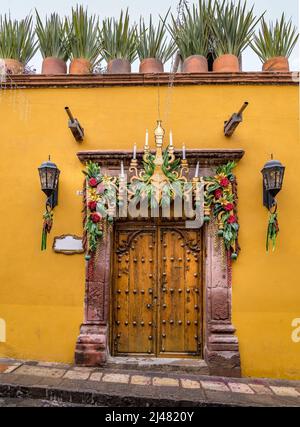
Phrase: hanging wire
x=169 y=96
x=158 y=98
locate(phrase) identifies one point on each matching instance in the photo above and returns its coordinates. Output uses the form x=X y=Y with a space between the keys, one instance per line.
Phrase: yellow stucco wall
x=41 y=293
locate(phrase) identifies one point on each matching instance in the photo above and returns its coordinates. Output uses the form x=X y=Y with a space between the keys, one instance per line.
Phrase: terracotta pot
x=13 y=66
x=80 y=66
x=195 y=64
x=151 y=65
x=278 y=63
x=118 y=66
x=226 y=64
x=52 y=65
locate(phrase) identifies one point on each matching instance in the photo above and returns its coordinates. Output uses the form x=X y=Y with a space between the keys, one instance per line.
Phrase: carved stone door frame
x=221 y=349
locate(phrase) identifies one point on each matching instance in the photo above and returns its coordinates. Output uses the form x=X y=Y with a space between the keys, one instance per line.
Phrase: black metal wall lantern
x=273 y=173
x=49 y=178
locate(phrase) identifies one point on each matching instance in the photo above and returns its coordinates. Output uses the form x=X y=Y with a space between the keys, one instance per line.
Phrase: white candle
x=183 y=153
x=147 y=138
x=134 y=152
x=197 y=170
x=122 y=169
x=171 y=139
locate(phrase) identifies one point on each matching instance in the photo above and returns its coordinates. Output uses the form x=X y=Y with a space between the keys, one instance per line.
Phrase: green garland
x=272 y=231
x=100 y=197
x=172 y=188
x=219 y=197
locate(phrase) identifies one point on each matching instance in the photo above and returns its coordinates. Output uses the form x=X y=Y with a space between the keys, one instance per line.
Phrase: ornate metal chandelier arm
x=133 y=169
x=182 y=171
x=172 y=158
x=146 y=156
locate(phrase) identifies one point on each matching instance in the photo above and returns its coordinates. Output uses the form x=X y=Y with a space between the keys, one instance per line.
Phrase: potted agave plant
x=275 y=43
x=232 y=26
x=192 y=36
x=83 y=41
x=17 y=43
x=52 y=44
x=119 y=44
x=153 y=47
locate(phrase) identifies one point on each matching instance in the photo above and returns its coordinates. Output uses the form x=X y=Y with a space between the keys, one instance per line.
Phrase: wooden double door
x=156 y=307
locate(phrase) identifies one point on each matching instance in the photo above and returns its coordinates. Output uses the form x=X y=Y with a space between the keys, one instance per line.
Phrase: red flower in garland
x=229 y=207
x=93 y=182
x=232 y=219
x=92 y=205
x=224 y=182
x=95 y=217
x=218 y=193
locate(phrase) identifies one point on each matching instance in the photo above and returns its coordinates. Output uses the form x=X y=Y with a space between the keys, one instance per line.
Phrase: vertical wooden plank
x=120 y=300
x=134 y=276
x=180 y=296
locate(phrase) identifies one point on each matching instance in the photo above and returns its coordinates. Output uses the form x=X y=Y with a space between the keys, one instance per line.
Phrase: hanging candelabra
x=162 y=173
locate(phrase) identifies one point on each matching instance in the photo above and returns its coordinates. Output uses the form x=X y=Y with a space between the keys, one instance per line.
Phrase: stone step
x=198 y=366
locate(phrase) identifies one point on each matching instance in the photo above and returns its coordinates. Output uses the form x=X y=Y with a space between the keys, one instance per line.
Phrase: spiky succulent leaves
x=153 y=42
x=233 y=27
x=119 y=38
x=17 y=39
x=192 y=34
x=51 y=36
x=277 y=39
x=83 y=35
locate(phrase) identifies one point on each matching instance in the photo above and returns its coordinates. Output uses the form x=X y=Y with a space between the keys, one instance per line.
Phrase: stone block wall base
x=91 y=346
x=223 y=363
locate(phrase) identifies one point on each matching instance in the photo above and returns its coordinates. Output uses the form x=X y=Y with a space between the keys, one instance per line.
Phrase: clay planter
x=278 y=63
x=80 y=66
x=151 y=65
x=118 y=66
x=13 y=66
x=195 y=64
x=53 y=65
x=226 y=64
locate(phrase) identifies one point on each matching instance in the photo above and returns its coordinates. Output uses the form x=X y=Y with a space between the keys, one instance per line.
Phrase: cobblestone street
x=36 y=403
x=50 y=384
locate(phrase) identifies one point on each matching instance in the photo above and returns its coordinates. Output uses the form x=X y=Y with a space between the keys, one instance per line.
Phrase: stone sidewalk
x=116 y=387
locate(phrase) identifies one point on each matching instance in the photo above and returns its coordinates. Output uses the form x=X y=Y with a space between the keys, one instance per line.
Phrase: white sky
x=274 y=8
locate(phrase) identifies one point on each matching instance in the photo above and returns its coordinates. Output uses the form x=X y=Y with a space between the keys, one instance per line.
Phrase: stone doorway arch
x=221 y=349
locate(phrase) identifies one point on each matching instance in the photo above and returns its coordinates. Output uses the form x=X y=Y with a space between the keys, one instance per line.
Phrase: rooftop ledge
x=137 y=79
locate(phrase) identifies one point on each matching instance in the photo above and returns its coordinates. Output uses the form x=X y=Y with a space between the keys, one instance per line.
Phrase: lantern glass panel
x=56 y=178
x=50 y=178
x=43 y=178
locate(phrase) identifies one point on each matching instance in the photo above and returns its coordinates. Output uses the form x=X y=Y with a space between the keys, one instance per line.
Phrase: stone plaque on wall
x=68 y=244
